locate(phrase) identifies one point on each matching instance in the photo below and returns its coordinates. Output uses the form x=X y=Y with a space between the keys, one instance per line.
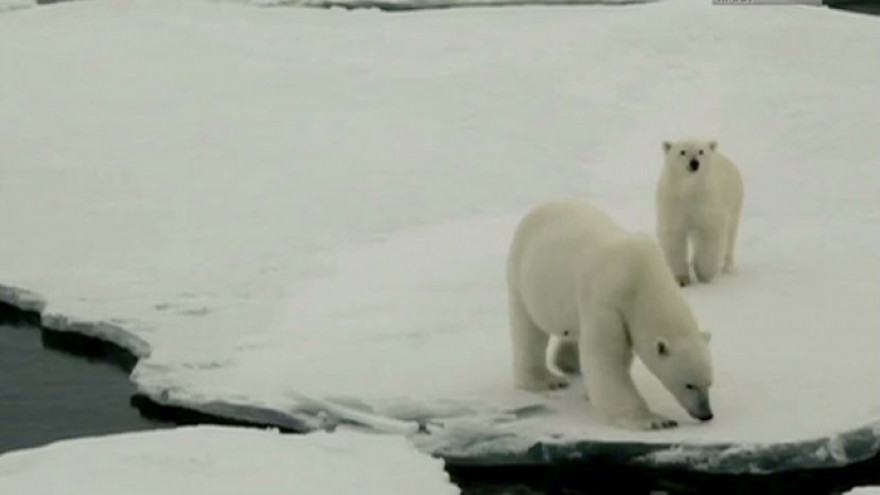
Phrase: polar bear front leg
x=606 y=357
x=710 y=244
x=674 y=242
x=529 y=345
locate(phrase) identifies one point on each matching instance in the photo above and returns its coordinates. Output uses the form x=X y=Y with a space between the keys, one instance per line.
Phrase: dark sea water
x=869 y=7
x=48 y=395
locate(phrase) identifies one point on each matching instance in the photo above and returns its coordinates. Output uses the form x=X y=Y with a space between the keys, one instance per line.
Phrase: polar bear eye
x=690 y=386
x=701 y=152
x=681 y=153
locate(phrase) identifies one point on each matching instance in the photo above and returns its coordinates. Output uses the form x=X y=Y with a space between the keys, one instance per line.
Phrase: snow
x=865 y=490
x=6 y=5
x=304 y=214
x=216 y=460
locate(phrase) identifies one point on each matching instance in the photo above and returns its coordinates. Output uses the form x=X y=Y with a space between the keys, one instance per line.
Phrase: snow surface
x=865 y=490
x=215 y=460
x=303 y=214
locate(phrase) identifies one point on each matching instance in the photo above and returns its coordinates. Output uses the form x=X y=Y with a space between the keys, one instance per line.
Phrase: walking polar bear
x=574 y=274
x=699 y=198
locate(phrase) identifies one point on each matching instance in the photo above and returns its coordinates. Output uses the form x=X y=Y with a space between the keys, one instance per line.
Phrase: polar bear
x=604 y=293
x=699 y=198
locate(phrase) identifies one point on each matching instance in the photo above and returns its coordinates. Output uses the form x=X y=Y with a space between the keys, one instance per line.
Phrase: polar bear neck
x=656 y=308
x=683 y=183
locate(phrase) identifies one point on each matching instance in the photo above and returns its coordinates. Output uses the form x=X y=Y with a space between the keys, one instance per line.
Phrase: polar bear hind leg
x=732 y=229
x=529 y=343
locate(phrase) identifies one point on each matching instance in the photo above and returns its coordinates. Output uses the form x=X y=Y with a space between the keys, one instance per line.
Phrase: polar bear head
x=689 y=155
x=684 y=366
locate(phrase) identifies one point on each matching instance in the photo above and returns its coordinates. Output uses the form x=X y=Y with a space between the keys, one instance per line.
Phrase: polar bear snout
x=694 y=165
x=703 y=410
x=695 y=400
x=706 y=416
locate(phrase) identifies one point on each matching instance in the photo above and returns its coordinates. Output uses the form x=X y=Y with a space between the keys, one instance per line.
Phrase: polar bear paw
x=649 y=421
x=542 y=381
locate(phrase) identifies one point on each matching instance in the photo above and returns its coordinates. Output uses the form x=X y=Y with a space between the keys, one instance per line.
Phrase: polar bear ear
x=662 y=347
x=707 y=336
x=713 y=144
x=666 y=146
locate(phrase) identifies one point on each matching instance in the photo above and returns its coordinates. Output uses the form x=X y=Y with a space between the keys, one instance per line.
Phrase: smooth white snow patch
x=214 y=461
x=321 y=213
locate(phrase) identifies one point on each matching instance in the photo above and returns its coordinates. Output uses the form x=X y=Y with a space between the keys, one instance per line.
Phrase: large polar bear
x=699 y=198
x=574 y=274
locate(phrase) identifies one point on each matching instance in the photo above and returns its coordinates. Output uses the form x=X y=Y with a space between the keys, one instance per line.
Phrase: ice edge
x=106 y=331
x=409 y=6
x=495 y=448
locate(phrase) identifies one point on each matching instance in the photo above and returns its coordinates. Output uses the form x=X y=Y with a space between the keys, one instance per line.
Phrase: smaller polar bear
x=605 y=293
x=699 y=198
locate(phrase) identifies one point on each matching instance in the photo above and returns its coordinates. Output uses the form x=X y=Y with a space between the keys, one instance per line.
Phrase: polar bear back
x=560 y=249
x=730 y=182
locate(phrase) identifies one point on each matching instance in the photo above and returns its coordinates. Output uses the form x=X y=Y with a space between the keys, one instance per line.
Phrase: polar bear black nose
x=694 y=164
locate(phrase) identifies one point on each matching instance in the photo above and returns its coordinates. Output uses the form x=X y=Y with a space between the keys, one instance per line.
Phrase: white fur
x=604 y=294
x=701 y=208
